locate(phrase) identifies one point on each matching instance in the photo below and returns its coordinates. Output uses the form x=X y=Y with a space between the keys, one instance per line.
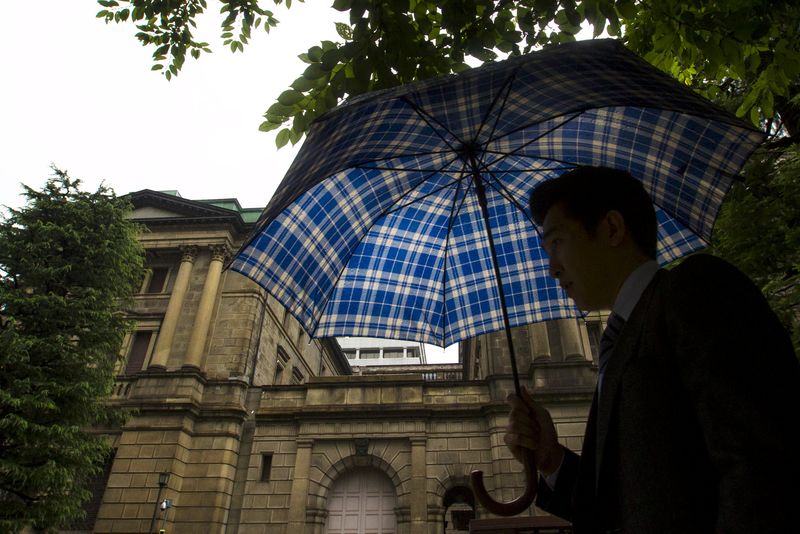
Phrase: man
x=694 y=424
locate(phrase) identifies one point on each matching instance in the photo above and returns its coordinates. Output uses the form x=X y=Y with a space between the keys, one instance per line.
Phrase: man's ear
x=615 y=228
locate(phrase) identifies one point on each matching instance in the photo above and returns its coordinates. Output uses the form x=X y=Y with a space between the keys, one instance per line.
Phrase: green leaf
x=344 y=31
x=302 y=84
x=315 y=71
x=315 y=53
x=290 y=97
x=279 y=110
x=331 y=58
x=282 y=138
x=295 y=136
x=268 y=126
x=342 y=5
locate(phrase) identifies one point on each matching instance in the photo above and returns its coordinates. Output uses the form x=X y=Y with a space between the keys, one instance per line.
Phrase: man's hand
x=531 y=427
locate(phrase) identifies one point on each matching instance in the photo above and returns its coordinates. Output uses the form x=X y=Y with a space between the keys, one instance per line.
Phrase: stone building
x=261 y=430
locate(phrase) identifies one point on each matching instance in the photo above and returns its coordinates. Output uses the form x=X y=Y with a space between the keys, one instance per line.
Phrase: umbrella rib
x=483 y=171
x=429 y=119
x=437 y=190
x=453 y=213
x=507 y=89
x=422 y=181
x=365 y=164
x=505 y=193
x=548 y=132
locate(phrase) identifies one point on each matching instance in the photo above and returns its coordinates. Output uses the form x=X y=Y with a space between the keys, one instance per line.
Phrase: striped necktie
x=610 y=334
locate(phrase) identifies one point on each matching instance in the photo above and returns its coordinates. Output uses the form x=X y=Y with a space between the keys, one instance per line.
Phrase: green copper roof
x=249 y=215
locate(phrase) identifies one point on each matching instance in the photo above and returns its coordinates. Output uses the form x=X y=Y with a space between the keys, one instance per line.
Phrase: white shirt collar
x=633 y=287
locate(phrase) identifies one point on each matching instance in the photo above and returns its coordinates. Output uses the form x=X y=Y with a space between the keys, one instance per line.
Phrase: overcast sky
x=79 y=94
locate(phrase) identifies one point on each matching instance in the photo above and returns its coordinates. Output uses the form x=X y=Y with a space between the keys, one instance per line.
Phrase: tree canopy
x=750 y=47
x=68 y=260
x=744 y=54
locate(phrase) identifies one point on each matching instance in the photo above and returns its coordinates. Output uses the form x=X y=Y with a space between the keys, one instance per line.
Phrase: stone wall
x=211 y=414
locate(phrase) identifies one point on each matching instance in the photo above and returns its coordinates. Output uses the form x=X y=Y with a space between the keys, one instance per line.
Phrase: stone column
x=570 y=339
x=540 y=342
x=167 y=331
x=299 y=495
x=195 y=352
x=419 y=493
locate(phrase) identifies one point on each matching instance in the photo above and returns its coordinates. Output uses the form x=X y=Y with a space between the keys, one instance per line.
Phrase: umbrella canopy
x=377 y=228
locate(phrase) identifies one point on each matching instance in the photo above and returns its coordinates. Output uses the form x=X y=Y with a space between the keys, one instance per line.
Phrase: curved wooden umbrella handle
x=518 y=505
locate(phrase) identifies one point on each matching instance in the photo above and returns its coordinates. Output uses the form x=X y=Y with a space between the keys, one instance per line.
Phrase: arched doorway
x=362 y=501
x=459 y=509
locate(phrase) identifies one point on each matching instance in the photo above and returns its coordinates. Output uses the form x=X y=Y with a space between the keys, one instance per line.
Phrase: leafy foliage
x=711 y=45
x=759 y=230
x=68 y=259
x=745 y=52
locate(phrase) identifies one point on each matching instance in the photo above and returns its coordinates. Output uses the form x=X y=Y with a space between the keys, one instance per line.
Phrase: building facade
x=258 y=429
x=364 y=352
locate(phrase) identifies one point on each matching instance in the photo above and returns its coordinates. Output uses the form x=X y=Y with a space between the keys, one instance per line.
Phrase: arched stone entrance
x=459 y=509
x=362 y=501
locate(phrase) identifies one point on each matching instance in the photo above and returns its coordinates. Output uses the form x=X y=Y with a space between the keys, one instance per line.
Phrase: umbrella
x=405 y=212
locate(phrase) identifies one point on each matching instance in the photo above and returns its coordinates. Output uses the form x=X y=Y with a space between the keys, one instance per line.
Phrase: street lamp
x=163 y=478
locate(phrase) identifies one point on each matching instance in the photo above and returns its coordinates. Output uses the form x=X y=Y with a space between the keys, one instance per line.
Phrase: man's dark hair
x=588 y=193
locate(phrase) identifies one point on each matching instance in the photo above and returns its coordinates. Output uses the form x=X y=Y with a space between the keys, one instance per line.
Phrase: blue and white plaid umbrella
x=377 y=228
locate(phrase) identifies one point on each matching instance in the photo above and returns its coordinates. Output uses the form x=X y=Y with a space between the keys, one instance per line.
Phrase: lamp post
x=163 y=478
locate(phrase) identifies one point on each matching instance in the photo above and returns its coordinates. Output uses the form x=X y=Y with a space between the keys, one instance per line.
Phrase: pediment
x=157 y=207
x=153 y=212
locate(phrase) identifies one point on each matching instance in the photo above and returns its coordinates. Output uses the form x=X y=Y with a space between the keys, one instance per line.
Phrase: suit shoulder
x=707 y=269
x=709 y=283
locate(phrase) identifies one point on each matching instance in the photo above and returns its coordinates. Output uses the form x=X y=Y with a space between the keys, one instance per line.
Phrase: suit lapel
x=624 y=349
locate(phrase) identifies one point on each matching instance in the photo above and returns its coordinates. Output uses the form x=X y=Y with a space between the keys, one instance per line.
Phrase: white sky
x=80 y=94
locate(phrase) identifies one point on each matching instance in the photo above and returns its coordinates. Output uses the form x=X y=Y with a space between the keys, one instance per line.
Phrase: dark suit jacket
x=697 y=426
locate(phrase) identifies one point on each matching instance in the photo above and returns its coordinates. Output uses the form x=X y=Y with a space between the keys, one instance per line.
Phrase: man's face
x=579 y=260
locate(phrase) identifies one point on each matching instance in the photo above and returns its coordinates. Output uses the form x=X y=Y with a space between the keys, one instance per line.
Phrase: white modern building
x=373 y=351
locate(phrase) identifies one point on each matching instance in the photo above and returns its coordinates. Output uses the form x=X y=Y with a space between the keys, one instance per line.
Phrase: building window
x=595 y=331
x=476 y=367
x=139 y=351
x=281 y=361
x=266 y=466
x=349 y=354
x=393 y=353
x=412 y=353
x=156 y=281
x=297 y=376
x=554 y=337
x=369 y=354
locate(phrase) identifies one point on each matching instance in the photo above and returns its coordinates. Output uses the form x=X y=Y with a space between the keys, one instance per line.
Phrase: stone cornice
x=188 y=212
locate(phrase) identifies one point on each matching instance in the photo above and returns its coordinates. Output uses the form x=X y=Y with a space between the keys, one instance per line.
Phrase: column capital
x=219 y=252
x=305 y=443
x=188 y=253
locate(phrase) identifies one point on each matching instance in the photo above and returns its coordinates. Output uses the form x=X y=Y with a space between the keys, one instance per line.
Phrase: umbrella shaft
x=481 y=191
